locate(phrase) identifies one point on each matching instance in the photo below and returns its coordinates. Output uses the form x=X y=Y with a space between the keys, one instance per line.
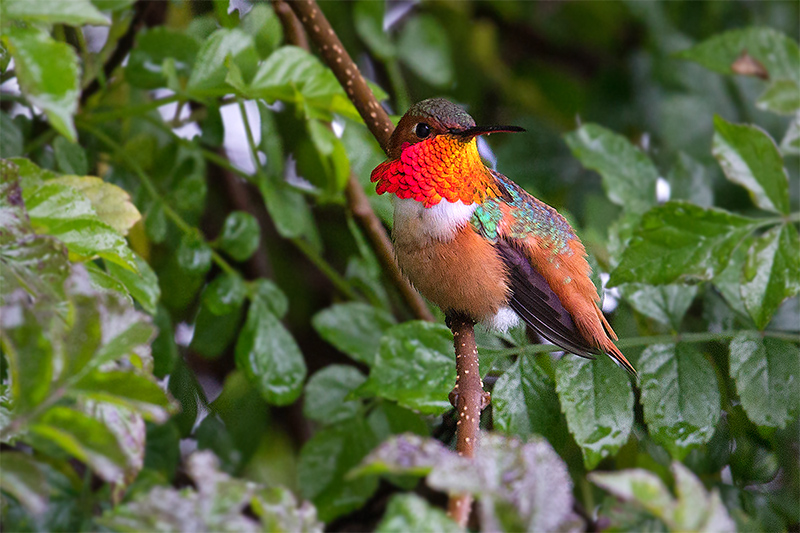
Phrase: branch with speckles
x=376 y=119
x=468 y=396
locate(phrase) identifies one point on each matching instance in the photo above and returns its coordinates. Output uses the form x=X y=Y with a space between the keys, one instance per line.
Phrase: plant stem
x=132 y=111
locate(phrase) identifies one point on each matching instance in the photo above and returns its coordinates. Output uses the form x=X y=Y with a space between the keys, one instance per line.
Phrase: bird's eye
x=422 y=130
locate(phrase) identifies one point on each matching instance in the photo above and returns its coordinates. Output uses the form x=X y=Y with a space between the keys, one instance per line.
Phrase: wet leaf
x=681 y=242
x=270 y=293
x=749 y=157
x=409 y=512
x=111 y=203
x=240 y=235
x=415 y=367
x=771 y=273
x=680 y=396
x=326 y=394
x=269 y=356
x=47 y=72
x=354 y=328
x=629 y=177
x=597 y=400
x=766 y=373
x=141 y=285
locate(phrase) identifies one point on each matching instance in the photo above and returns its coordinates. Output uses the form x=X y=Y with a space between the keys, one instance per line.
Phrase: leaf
x=72 y=12
x=275 y=298
x=525 y=403
x=409 y=512
x=111 y=203
x=47 y=72
x=269 y=356
x=71 y=157
x=781 y=96
x=208 y=75
x=665 y=303
x=82 y=437
x=129 y=430
x=325 y=461
x=326 y=394
x=24 y=479
x=332 y=156
x=597 y=400
x=214 y=332
x=766 y=372
x=777 y=52
x=680 y=242
x=264 y=26
x=680 y=396
x=689 y=180
x=694 y=509
x=790 y=145
x=136 y=392
x=354 y=328
x=11 y=137
x=368 y=18
x=629 y=177
x=771 y=273
x=278 y=510
x=424 y=48
x=240 y=235
x=146 y=67
x=749 y=157
x=415 y=367
x=142 y=284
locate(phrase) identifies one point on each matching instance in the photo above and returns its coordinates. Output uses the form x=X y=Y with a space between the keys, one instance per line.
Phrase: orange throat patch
x=444 y=167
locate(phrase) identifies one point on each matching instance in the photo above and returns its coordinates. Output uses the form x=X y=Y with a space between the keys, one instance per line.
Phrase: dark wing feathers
x=536 y=303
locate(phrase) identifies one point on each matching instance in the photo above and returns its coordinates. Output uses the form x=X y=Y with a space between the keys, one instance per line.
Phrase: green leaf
x=771 y=273
x=415 y=367
x=790 y=145
x=111 y=203
x=72 y=12
x=749 y=157
x=278 y=510
x=326 y=394
x=689 y=180
x=766 y=373
x=264 y=26
x=629 y=177
x=64 y=212
x=146 y=67
x=193 y=255
x=525 y=403
x=82 y=437
x=219 y=316
x=70 y=157
x=138 y=393
x=680 y=396
x=325 y=461
x=409 y=512
x=270 y=293
x=47 y=72
x=208 y=74
x=24 y=479
x=142 y=284
x=665 y=303
x=240 y=235
x=597 y=400
x=694 y=509
x=368 y=17
x=781 y=96
x=11 y=137
x=774 y=50
x=269 y=356
x=678 y=241
x=354 y=328
x=424 y=48
x=332 y=156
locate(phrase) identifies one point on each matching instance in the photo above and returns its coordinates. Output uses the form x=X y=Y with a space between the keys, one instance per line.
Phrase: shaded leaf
x=47 y=72
x=771 y=273
x=24 y=479
x=415 y=367
x=71 y=157
x=681 y=242
x=142 y=284
x=665 y=303
x=265 y=28
x=269 y=356
x=409 y=512
x=326 y=394
x=749 y=157
x=154 y=46
x=781 y=96
x=279 y=511
x=597 y=400
x=11 y=137
x=629 y=177
x=766 y=373
x=680 y=396
x=689 y=180
x=240 y=235
x=354 y=328
x=208 y=74
x=368 y=18
x=72 y=12
x=424 y=48
x=790 y=145
x=270 y=293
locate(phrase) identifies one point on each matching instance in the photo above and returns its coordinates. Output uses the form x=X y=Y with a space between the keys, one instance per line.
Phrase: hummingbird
x=474 y=242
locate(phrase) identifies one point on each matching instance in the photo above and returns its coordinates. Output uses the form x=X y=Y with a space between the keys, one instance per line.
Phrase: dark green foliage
x=156 y=298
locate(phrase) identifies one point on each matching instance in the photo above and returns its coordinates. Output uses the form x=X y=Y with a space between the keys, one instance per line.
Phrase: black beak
x=485 y=130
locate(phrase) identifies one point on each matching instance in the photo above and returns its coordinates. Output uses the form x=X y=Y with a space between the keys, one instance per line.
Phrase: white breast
x=413 y=221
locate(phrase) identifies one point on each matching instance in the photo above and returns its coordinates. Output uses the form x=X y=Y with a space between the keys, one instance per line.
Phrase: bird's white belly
x=440 y=222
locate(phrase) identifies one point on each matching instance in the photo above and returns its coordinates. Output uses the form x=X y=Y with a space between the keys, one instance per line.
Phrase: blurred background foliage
x=204 y=339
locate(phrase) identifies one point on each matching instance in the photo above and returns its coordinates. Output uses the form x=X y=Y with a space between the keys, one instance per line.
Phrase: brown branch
x=380 y=126
x=469 y=399
x=292 y=29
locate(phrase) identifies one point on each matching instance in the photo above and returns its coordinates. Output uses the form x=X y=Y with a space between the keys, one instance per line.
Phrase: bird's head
x=433 y=154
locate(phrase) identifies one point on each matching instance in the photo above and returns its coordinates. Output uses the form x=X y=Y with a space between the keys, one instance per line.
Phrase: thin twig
x=380 y=126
